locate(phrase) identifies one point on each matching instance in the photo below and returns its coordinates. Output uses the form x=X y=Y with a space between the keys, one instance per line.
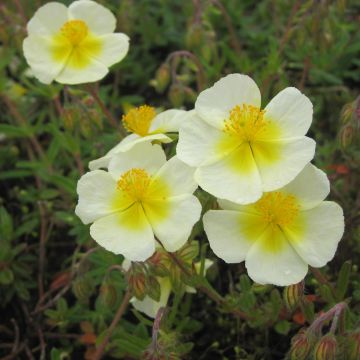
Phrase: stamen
x=246 y=122
x=134 y=183
x=138 y=120
x=278 y=209
x=75 y=31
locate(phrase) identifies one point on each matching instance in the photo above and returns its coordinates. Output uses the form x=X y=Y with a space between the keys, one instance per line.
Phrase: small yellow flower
x=241 y=150
x=142 y=196
x=281 y=233
x=73 y=45
x=146 y=126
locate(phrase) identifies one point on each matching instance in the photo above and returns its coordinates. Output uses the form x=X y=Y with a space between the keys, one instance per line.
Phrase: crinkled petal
x=178 y=176
x=126 y=144
x=98 y=18
x=310 y=187
x=288 y=159
x=272 y=260
x=127 y=233
x=37 y=51
x=292 y=111
x=98 y=196
x=114 y=48
x=48 y=19
x=214 y=104
x=201 y=144
x=235 y=178
x=92 y=71
x=143 y=156
x=232 y=233
x=323 y=229
x=168 y=121
x=173 y=227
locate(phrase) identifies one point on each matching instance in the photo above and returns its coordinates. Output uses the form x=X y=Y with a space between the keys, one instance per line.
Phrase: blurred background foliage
x=58 y=291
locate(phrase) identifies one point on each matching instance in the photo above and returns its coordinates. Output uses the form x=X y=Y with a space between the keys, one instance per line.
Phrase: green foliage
x=57 y=287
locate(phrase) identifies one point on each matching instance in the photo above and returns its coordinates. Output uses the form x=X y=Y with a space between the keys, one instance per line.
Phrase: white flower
x=283 y=232
x=149 y=306
x=241 y=151
x=73 y=45
x=145 y=125
x=141 y=196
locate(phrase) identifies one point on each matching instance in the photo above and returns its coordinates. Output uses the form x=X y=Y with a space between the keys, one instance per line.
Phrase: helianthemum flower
x=241 y=151
x=149 y=306
x=280 y=234
x=73 y=45
x=145 y=125
x=142 y=196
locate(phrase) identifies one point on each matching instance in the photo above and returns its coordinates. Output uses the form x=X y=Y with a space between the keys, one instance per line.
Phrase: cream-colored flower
x=241 y=151
x=145 y=125
x=73 y=45
x=142 y=196
x=149 y=306
x=280 y=234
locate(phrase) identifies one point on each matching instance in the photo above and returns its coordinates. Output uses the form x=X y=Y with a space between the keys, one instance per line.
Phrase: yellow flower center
x=278 y=209
x=245 y=122
x=75 y=31
x=138 y=120
x=135 y=183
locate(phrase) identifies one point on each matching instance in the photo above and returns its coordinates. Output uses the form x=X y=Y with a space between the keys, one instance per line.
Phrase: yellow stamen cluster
x=278 y=209
x=138 y=120
x=75 y=31
x=246 y=122
x=134 y=183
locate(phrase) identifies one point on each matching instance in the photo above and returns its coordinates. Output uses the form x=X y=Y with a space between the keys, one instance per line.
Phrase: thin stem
x=322 y=279
x=120 y=312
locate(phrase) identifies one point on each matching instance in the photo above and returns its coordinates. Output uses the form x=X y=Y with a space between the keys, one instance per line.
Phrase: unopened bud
x=346 y=135
x=108 y=295
x=300 y=346
x=194 y=36
x=293 y=294
x=152 y=288
x=326 y=348
x=83 y=288
x=162 y=77
x=159 y=263
x=176 y=95
x=136 y=281
x=189 y=251
x=353 y=346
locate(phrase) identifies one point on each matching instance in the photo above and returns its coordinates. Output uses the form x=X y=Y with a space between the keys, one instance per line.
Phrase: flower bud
x=83 y=288
x=136 y=281
x=300 y=346
x=347 y=133
x=152 y=288
x=108 y=295
x=353 y=346
x=159 y=263
x=176 y=95
x=326 y=348
x=162 y=77
x=292 y=294
x=194 y=36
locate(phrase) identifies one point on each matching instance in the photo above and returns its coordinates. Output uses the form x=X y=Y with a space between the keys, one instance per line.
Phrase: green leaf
x=6 y=276
x=282 y=327
x=343 y=280
x=6 y=225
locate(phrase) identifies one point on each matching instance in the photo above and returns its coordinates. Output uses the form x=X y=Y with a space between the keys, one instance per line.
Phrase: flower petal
x=235 y=178
x=232 y=233
x=272 y=260
x=178 y=176
x=37 y=51
x=199 y=143
x=169 y=121
x=290 y=158
x=48 y=19
x=98 y=196
x=150 y=307
x=126 y=144
x=127 y=233
x=113 y=49
x=144 y=156
x=310 y=187
x=324 y=227
x=98 y=18
x=92 y=71
x=214 y=104
x=292 y=111
x=174 y=229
